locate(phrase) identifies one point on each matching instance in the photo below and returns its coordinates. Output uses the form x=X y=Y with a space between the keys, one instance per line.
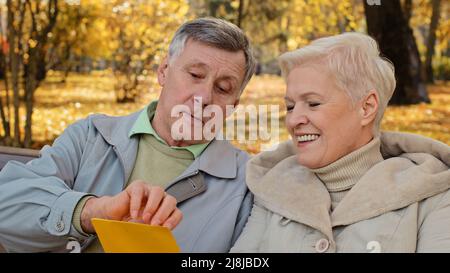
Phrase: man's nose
x=205 y=93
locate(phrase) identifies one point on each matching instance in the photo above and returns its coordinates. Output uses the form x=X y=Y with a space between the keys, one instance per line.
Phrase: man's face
x=200 y=73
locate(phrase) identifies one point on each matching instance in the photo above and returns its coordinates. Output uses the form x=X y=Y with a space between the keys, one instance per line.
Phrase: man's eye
x=313 y=104
x=289 y=108
x=223 y=90
x=195 y=75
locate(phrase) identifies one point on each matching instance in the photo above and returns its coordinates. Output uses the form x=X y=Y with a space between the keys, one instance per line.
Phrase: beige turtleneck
x=340 y=176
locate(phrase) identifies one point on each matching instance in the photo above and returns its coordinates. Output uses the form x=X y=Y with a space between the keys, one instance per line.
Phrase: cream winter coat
x=402 y=204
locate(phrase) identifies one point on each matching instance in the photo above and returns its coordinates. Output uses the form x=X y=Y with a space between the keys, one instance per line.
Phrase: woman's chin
x=311 y=161
x=306 y=162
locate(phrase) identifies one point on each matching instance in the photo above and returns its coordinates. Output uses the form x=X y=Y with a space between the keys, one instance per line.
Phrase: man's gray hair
x=217 y=33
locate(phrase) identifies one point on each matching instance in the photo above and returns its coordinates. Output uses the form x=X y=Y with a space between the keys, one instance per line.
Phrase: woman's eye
x=289 y=108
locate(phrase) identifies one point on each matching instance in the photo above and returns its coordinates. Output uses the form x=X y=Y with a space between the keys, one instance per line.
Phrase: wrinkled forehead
x=207 y=57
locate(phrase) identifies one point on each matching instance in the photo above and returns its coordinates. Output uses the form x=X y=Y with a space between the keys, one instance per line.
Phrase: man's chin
x=185 y=143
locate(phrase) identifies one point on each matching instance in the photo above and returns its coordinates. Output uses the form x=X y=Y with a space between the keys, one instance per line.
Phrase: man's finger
x=155 y=197
x=137 y=193
x=117 y=206
x=174 y=219
x=166 y=208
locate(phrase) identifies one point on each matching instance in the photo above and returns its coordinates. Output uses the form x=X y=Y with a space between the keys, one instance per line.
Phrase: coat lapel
x=290 y=190
x=115 y=131
x=392 y=184
x=219 y=160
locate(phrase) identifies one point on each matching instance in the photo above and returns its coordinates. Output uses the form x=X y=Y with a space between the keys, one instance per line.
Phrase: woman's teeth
x=304 y=138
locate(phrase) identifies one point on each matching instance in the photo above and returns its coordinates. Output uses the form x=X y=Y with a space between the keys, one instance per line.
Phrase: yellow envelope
x=128 y=237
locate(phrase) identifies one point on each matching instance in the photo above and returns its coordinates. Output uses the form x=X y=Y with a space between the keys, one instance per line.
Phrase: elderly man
x=138 y=167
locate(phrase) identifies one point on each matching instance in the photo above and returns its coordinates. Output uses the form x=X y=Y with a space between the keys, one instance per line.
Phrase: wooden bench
x=18 y=154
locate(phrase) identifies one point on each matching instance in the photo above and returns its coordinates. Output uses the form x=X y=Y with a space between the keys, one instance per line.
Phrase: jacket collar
x=289 y=189
x=219 y=159
x=414 y=168
x=115 y=131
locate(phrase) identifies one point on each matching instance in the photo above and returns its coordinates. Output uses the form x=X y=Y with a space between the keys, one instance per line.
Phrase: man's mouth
x=192 y=116
x=307 y=138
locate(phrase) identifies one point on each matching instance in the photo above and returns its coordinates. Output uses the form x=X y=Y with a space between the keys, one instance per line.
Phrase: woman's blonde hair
x=355 y=62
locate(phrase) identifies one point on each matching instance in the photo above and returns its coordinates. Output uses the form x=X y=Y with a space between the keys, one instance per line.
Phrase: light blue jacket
x=96 y=156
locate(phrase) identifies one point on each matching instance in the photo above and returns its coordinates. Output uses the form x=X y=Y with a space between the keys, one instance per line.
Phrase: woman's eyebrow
x=304 y=96
x=287 y=99
x=309 y=94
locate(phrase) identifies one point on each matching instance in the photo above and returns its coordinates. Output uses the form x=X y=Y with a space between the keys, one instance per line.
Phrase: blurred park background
x=61 y=60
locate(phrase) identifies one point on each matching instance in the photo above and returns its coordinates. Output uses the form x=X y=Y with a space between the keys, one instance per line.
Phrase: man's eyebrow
x=197 y=65
x=230 y=77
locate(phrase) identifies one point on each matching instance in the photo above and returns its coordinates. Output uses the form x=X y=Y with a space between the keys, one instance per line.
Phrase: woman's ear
x=369 y=108
x=162 y=71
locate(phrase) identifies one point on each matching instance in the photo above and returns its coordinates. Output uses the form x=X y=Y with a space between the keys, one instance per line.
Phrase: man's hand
x=139 y=202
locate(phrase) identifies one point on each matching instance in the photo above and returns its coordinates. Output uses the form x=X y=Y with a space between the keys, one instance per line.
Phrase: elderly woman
x=340 y=185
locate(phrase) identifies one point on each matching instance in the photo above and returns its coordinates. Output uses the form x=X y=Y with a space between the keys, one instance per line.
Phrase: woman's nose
x=296 y=118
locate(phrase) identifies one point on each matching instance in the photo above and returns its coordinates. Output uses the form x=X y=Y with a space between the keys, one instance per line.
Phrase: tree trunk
x=36 y=67
x=14 y=57
x=30 y=86
x=432 y=40
x=407 y=10
x=387 y=24
x=3 y=116
x=4 y=75
x=213 y=7
x=240 y=13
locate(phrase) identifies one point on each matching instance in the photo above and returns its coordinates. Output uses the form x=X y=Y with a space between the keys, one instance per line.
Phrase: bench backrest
x=19 y=154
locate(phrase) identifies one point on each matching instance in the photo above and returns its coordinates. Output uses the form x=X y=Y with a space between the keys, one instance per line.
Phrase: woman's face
x=321 y=119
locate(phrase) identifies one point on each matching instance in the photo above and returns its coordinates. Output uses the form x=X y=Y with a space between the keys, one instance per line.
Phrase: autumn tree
x=387 y=24
x=140 y=32
x=28 y=26
x=431 y=27
x=430 y=44
x=81 y=32
x=275 y=27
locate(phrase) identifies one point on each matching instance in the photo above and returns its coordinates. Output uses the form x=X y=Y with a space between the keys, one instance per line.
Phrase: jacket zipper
x=183 y=177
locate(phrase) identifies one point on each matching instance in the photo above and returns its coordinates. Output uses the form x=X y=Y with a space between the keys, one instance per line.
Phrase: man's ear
x=162 y=71
x=369 y=108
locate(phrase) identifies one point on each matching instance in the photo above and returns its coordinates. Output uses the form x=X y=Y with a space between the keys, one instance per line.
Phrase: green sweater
x=158 y=164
